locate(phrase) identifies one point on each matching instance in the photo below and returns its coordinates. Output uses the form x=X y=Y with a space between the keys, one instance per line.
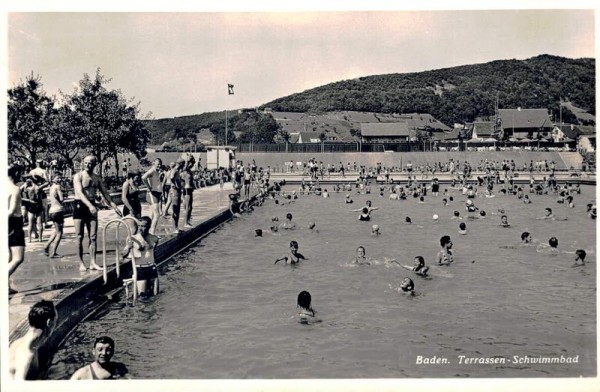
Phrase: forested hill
x=458 y=94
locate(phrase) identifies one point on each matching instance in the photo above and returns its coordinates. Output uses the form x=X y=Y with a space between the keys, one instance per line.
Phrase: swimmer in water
x=435 y=218
x=456 y=216
x=368 y=206
x=348 y=199
x=445 y=201
x=258 y=233
x=462 y=228
x=361 y=258
x=526 y=199
x=550 y=216
x=579 y=257
x=551 y=247
x=504 y=221
x=364 y=216
x=306 y=313
x=407 y=286
x=445 y=256
x=419 y=266
x=312 y=227
x=375 y=230
x=482 y=214
x=526 y=240
x=288 y=224
x=293 y=257
x=407 y=220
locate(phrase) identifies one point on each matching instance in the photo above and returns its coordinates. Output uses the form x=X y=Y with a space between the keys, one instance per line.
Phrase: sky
x=178 y=64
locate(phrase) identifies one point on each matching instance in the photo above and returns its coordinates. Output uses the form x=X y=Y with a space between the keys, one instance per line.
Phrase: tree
x=65 y=139
x=29 y=112
x=107 y=121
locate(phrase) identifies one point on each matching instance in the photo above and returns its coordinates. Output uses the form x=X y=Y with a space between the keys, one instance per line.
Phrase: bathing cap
x=435 y=217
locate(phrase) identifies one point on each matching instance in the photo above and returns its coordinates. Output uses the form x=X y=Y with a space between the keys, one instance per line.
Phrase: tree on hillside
x=256 y=127
x=29 y=112
x=109 y=124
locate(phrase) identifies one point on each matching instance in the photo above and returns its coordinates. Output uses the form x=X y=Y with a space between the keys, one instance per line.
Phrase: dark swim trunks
x=147 y=272
x=156 y=194
x=57 y=217
x=81 y=211
x=16 y=235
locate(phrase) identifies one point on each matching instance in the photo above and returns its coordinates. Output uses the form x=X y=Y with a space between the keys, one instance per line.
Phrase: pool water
x=226 y=311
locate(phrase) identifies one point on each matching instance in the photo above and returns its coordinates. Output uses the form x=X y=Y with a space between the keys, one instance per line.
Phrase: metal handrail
x=119 y=222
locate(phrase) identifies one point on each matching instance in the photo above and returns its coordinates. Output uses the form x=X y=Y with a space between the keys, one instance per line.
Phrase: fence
x=314 y=148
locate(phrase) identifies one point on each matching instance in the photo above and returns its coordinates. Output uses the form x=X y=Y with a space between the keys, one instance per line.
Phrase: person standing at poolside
x=188 y=190
x=86 y=184
x=39 y=175
x=166 y=186
x=130 y=195
x=445 y=256
x=176 y=192
x=103 y=368
x=155 y=188
x=56 y=213
x=16 y=235
x=23 y=360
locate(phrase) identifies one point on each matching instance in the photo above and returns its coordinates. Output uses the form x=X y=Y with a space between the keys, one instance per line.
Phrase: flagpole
x=226 y=122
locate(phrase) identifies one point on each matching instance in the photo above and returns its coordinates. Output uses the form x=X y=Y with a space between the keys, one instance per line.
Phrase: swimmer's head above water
x=375 y=229
x=407 y=285
x=553 y=242
x=526 y=237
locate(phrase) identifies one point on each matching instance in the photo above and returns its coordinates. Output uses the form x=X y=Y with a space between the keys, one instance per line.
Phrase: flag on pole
x=230 y=89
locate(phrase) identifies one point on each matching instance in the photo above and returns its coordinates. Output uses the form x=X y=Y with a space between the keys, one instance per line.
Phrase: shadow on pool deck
x=41 y=277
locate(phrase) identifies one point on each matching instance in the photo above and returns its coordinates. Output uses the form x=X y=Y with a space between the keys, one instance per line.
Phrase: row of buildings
x=513 y=125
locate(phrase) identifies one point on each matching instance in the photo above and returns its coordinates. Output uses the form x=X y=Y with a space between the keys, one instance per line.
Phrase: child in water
x=579 y=257
x=306 y=313
x=375 y=230
x=293 y=257
x=504 y=221
x=462 y=228
x=407 y=287
x=551 y=247
x=361 y=258
x=142 y=245
x=445 y=256
x=420 y=268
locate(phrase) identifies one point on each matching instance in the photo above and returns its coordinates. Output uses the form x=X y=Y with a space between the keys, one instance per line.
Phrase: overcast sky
x=180 y=63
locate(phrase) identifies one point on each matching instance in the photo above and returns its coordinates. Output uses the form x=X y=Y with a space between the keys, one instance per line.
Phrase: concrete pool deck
x=41 y=277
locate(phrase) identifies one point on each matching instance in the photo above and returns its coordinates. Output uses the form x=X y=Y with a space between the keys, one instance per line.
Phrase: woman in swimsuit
x=57 y=215
x=364 y=216
x=361 y=258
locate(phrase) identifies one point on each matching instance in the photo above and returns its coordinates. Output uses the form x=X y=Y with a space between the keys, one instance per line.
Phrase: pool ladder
x=126 y=282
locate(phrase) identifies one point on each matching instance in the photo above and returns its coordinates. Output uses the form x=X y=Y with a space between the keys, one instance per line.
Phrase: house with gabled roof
x=481 y=131
x=525 y=123
x=391 y=132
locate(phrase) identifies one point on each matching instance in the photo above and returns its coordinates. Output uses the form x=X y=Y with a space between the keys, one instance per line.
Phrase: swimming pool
x=225 y=310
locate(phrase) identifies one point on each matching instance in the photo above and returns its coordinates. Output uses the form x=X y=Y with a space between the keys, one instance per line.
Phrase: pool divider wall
x=78 y=300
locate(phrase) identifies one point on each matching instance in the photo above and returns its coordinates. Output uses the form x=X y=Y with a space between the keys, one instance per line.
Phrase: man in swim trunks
x=152 y=181
x=16 y=235
x=444 y=256
x=176 y=191
x=39 y=175
x=102 y=368
x=188 y=190
x=86 y=184
x=23 y=353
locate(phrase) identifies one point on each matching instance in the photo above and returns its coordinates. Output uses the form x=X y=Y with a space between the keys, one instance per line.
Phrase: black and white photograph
x=257 y=197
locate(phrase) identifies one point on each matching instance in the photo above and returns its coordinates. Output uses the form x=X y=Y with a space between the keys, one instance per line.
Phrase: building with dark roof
x=392 y=132
x=525 y=123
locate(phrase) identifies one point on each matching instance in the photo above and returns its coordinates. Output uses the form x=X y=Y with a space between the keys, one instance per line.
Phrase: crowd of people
x=169 y=188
